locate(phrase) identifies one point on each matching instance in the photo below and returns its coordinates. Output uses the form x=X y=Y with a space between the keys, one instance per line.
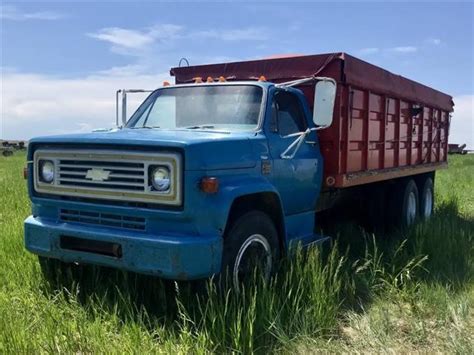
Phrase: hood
x=204 y=150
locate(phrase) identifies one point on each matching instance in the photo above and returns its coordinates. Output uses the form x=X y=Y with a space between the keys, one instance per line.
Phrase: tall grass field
x=399 y=293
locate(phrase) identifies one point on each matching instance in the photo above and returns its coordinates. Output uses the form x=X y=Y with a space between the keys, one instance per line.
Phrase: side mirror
x=324 y=98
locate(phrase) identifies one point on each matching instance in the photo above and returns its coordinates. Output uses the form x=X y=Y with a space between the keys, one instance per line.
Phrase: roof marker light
x=262 y=78
x=197 y=80
x=166 y=83
x=209 y=79
x=222 y=79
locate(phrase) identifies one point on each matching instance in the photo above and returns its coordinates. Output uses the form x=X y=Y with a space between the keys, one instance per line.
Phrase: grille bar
x=107 y=183
x=103 y=219
x=83 y=166
x=112 y=175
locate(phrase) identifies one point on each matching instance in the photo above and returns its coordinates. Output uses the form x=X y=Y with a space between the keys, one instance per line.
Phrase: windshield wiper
x=201 y=127
x=146 y=127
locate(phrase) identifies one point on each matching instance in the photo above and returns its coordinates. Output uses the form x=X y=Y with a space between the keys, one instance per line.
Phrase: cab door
x=297 y=179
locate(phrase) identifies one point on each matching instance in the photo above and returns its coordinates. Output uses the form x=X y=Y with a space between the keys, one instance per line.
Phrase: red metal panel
x=376 y=126
x=396 y=139
x=356 y=131
x=404 y=146
x=391 y=128
x=416 y=138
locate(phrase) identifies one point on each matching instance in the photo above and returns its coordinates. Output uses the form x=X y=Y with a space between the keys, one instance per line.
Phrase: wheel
x=251 y=245
x=427 y=198
x=405 y=206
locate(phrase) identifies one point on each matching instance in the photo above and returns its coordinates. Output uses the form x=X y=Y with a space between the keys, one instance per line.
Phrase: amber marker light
x=209 y=185
x=221 y=79
x=262 y=78
x=210 y=79
x=166 y=83
x=197 y=80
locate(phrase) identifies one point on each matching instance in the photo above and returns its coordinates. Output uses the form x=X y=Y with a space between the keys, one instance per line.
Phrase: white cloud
x=369 y=50
x=123 y=39
x=462 y=122
x=404 y=49
x=34 y=105
x=8 y=12
x=136 y=41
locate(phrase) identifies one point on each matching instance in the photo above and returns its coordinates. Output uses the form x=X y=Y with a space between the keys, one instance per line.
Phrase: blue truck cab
x=202 y=178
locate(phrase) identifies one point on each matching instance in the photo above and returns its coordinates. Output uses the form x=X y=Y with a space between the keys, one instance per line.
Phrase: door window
x=287 y=115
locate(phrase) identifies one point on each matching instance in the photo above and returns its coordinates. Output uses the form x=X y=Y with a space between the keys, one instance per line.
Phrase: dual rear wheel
x=411 y=201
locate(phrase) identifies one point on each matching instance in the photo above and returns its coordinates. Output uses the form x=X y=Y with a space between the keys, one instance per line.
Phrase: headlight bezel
x=41 y=172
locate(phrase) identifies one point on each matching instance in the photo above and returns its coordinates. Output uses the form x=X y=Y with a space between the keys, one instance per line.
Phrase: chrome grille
x=121 y=175
x=103 y=219
x=111 y=175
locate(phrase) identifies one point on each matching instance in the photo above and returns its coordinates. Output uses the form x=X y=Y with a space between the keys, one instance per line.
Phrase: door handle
x=311 y=142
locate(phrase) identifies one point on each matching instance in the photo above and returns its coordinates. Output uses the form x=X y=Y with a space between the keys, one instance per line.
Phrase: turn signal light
x=209 y=185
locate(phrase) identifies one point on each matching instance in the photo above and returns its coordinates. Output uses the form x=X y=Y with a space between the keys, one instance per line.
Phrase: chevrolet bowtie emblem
x=97 y=174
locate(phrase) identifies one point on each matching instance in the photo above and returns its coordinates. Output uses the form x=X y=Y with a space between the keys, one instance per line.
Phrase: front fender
x=214 y=208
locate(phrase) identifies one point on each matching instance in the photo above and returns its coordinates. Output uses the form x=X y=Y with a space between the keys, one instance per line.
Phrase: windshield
x=219 y=107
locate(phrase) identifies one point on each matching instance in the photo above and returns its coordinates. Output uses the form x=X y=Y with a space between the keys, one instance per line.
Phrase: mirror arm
x=321 y=127
x=117 y=93
x=296 y=144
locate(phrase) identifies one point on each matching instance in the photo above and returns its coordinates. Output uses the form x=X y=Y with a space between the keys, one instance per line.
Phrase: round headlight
x=160 y=179
x=47 y=171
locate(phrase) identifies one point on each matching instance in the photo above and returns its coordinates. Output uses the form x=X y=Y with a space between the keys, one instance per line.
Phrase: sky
x=62 y=61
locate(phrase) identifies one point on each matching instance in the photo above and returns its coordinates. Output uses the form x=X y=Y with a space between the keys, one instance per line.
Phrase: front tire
x=251 y=245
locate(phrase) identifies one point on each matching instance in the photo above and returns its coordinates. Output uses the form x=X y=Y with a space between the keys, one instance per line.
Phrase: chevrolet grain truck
x=227 y=168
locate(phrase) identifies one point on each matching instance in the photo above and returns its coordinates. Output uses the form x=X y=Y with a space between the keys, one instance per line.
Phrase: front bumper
x=177 y=257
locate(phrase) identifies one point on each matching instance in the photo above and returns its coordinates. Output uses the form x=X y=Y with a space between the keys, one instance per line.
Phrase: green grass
x=411 y=292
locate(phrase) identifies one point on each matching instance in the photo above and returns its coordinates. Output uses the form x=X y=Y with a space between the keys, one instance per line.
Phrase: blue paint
x=186 y=243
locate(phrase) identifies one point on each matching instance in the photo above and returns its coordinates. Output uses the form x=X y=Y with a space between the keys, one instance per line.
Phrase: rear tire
x=427 y=199
x=251 y=245
x=405 y=205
